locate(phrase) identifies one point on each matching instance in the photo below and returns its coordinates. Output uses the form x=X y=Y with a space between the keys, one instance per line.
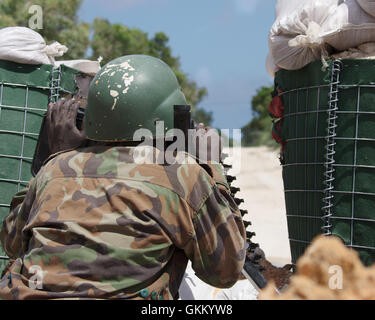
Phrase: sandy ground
x=259 y=175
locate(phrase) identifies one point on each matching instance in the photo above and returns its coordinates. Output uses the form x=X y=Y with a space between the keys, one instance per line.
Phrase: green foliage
x=201 y=116
x=61 y=23
x=113 y=41
x=258 y=131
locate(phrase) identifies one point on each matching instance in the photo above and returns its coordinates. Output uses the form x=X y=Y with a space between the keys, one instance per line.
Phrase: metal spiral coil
x=55 y=85
x=330 y=148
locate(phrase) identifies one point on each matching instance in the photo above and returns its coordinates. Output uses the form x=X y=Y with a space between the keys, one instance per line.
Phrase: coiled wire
x=329 y=169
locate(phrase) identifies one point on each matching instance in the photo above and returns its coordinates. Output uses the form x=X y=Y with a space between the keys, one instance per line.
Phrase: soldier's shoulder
x=190 y=180
x=71 y=163
x=182 y=175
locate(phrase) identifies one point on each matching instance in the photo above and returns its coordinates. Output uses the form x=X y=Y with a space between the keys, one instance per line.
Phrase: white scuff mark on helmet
x=128 y=79
x=107 y=70
x=114 y=103
x=114 y=93
x=110 y=66
x=125 y=65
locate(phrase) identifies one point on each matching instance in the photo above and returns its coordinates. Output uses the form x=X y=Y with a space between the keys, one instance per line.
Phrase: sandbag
x=85 y=66
x=295 y=37
x=349 y=26
x=313 y=29
x=368 y=6
x=364 y=51
x=24 y=45
x=271 y=67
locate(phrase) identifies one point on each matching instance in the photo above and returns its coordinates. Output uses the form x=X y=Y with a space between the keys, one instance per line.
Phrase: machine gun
x=252 y=269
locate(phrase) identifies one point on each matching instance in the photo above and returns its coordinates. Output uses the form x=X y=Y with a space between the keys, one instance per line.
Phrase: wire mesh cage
x=329 y=157
x=25 y=91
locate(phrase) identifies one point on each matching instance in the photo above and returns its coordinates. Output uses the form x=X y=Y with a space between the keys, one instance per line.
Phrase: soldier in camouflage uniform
x=94 y=224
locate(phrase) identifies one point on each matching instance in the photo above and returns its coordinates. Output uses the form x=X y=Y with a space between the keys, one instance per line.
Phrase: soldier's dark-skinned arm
x=209 y=155
x=62 y=135
x=218 y=251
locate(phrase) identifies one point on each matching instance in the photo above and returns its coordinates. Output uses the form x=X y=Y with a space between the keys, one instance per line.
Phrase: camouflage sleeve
x=11 y=231
x=216 y=171
x=218 y=250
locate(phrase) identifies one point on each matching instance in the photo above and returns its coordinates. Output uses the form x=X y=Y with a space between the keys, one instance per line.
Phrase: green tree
x=60 y=22
x=111 y=41
x=202 y=116
x=258 y=131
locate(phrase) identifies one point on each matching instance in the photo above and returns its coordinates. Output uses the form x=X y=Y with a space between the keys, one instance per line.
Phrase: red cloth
x=276 y=107
x=276 y=131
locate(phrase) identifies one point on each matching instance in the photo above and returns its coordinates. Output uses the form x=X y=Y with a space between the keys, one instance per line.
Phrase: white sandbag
x=24 y=45
x=271 y=67
x=295 y=38
x=86 y=66
x=368 y=6
x=364 y=51
x=349 y=26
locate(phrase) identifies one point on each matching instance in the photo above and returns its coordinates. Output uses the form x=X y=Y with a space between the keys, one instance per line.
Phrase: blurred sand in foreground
x=328 y=271
x=260 y=180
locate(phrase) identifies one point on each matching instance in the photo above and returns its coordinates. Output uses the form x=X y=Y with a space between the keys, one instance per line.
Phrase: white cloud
x=246 y=6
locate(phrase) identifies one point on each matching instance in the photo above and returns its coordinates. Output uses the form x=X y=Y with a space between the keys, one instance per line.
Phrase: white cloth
x=364 y=51
x=368 y=6
x=349 y=26
x=192 y=288
x=86 y=66
x=295 y=37
x=24 y=45
x=271 y=67
x=306 y=30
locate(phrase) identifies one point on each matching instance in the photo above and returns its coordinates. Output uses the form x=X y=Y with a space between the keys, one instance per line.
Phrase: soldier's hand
x=208 y=144
x=63 y=133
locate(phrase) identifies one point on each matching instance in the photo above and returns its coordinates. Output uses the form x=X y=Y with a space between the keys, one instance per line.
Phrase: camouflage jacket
x=95 y=224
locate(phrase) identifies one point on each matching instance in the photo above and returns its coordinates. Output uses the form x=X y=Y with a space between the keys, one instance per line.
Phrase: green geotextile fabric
x=306 y=101
x=24 y=97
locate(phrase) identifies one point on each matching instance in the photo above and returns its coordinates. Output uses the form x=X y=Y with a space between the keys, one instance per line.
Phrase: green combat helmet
x=131 y=93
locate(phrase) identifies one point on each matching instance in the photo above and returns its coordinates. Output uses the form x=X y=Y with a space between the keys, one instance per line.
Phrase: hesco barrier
x=329 y=158
x=25 y=91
